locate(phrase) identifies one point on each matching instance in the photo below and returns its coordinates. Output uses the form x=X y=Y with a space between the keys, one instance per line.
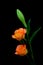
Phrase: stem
x=32 y=54
x=30 y=48
x=22 y=41
x=29 y=60
x=25 y=39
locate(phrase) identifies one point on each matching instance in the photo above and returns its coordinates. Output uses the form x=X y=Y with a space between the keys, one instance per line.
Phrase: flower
x=21 y=50
x=19 y=34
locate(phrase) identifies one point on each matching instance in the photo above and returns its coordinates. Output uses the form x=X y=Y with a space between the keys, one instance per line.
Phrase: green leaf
x=21 y=17
x=28 y=26
x=33 y=35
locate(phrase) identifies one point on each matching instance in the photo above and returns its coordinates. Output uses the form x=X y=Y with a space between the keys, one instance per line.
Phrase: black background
x=9 y=22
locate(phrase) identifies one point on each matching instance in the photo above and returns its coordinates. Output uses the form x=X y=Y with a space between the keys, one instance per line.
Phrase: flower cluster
x=19 y=34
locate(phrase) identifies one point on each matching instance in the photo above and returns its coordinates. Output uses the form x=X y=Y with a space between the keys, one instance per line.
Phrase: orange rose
x=19 y=34
x=21 y=50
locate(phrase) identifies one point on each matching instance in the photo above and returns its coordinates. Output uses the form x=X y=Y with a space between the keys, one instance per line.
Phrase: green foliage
x=28 y=26
x=33 y=35
x=21 y=17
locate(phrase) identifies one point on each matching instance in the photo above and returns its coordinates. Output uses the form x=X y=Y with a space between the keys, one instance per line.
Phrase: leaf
x=28 y=26
x=21 y=17
x=33 y=35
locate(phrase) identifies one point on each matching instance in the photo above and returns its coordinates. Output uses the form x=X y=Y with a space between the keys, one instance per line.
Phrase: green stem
x=25 y=39
x=32 y=54
x=30 y=48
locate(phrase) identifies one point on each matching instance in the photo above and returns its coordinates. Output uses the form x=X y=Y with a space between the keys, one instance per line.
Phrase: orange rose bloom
x=19 y=34
x=21 y=50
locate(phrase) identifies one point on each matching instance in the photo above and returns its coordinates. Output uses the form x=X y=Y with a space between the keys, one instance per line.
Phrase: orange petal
x=13 y=36
x=24 y=45
x=25 y=31
x=16 y=53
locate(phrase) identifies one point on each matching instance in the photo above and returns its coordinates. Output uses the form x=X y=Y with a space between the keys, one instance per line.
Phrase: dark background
x=9 y=22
